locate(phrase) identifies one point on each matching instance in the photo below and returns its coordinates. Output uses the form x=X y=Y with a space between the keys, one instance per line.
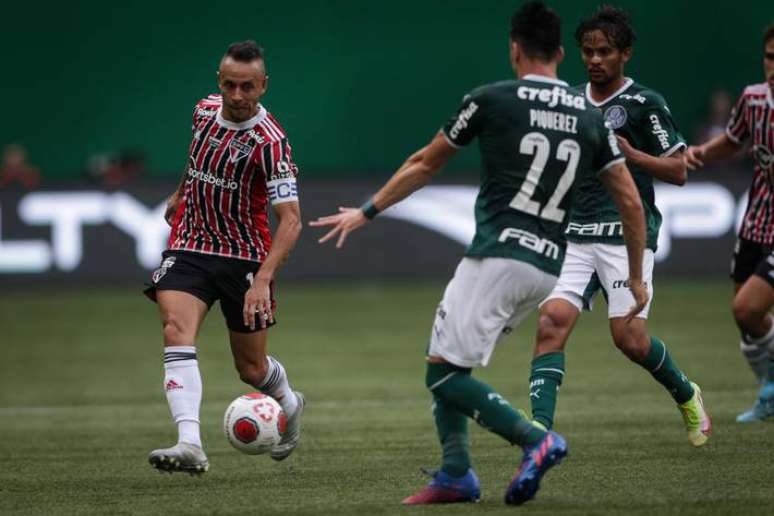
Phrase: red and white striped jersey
x=753 y=120
x=234 y=170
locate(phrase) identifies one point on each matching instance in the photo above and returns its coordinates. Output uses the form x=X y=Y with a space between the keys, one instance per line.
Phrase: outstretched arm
x=620 y=185
x=417 y=171
x=717 y=149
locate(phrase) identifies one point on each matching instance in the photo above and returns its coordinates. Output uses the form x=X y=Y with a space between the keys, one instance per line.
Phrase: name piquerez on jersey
x=553 y=120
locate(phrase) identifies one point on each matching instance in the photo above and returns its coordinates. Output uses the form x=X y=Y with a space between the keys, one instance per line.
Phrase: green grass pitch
x=81 y=405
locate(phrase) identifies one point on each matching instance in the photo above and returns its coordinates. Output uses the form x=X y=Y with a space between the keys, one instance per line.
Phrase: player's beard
x=601 y=79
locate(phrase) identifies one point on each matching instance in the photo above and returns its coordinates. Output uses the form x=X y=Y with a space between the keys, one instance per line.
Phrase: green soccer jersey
x=537 y=138
x=640 y=115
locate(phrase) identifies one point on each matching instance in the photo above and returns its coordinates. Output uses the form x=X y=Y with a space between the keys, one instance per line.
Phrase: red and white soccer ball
x=254 y=423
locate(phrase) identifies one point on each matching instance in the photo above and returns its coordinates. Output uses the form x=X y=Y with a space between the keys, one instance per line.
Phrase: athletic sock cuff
x=274 y=371
x=179 y=356
x=761 y=341
x=656 y=356
x=549 y=364
x=439 y=373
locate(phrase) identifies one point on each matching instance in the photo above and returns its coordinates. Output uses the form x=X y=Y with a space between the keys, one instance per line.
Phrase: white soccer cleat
x=292 y=432
x=180 y=457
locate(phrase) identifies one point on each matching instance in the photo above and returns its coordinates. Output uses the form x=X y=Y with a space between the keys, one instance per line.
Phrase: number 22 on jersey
x=537 y=144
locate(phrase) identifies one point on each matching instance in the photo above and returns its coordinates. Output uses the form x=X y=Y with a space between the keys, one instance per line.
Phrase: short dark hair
x=768 y=34
x=614 y=22
x=244 y=51
x=538 y=30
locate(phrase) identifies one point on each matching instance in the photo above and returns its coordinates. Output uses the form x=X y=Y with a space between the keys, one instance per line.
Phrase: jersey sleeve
x=195 y=118
x=467 y=121
x=281 y=172
x=659 y=129
x=737 y=129
x=607 y=152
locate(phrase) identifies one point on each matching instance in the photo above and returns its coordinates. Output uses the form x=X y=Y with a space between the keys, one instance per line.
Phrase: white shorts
x=589 y=268
x=484 y=301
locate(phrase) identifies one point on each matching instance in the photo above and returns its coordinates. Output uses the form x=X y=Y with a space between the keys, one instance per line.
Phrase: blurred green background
x=358 y=85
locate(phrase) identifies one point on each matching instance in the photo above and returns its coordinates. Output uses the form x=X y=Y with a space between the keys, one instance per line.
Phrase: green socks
x=457 y=389
x=545 y=378
x=452 y=428
x=666 y=372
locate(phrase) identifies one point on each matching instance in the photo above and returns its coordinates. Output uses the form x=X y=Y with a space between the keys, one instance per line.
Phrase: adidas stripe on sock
x=276 y=385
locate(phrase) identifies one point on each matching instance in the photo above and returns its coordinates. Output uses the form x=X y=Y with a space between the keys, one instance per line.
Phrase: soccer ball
x=254 y=423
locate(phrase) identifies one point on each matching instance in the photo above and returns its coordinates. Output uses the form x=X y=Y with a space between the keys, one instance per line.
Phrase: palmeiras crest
x=615 y=116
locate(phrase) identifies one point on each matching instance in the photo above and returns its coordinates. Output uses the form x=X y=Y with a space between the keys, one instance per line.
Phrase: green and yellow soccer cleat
x=697 y=420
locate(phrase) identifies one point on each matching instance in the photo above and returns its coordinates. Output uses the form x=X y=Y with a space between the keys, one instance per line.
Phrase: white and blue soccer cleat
x=292 y=434
x=763 y=408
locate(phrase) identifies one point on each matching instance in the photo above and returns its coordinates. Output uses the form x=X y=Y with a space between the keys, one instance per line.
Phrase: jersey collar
x=627 y=82
x=247 y=124
x=543 y=78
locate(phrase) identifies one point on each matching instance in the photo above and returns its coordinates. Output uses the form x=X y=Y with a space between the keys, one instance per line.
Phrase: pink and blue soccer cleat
x=447 y=489
x=537 y=459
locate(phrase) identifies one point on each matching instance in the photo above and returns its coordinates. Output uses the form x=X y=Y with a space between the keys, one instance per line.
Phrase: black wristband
x=369 y=210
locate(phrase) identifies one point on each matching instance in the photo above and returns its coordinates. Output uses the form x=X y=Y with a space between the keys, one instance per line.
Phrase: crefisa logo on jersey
x=615 y=116
x=238 y=150
x=462 y=120
x=659 y=132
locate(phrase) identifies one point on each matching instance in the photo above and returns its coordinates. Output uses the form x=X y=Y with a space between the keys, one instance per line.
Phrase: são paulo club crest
x=238 y=150
x=615 y=116
x=765 y=159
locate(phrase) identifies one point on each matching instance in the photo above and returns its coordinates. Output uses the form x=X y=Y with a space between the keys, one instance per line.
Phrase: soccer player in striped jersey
x=752 y=270
x=596 y=257
x=221 y=248
x=537 y=138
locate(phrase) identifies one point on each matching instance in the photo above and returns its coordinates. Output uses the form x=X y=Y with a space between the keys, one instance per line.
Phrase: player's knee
x=631 y=344
x=252 y=373
x=746 y=313
x=175 y=331
x=553 y=326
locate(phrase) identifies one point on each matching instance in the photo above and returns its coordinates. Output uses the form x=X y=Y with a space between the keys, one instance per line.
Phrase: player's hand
x=172 y=204
x=694 y=156
x=258 y=304
x=641 y=296
x=344 y=223
x=626 y=147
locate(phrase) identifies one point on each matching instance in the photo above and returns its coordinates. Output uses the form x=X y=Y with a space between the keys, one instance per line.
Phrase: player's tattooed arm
x=417 y=171
x=670 y=169
x=258 y=296
x=717 y=149
x=619 y=183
